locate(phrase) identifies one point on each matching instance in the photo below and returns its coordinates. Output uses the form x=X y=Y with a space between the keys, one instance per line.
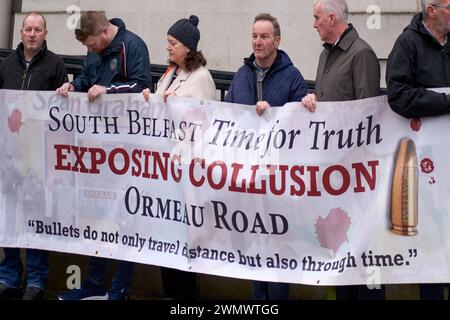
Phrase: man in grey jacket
x=348 y=70
x=348 y=67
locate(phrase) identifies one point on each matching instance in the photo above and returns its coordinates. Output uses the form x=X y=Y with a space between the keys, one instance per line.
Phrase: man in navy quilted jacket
x=267 y=79
x=117 y=62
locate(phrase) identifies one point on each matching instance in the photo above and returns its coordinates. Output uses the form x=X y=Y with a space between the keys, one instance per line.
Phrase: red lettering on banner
x=252 y=188
x=194 y=182
x=360 y=169
x=147 y=155
x=60 y=157
x=137 y=169
x=79 y=154
x=158 y=165
x=96 y=161
x=113 y=163
x=176 y=174
x=234 y=178
x=277 y=180
x=313 y=192
x=222 y=173
x=273 y=182
x=326 y=180
x=296 y=172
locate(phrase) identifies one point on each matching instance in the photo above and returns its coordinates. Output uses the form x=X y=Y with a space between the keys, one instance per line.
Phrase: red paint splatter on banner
x=15 y=121
x=332 y=231
x=427 y=165
x=415 y=124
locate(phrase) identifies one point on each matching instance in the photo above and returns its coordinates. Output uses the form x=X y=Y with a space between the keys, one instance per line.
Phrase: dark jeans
x=179 y=284
x=270 y=290
x=360 y=293
x=122 y=278
x=11 y=268
x=431 y=291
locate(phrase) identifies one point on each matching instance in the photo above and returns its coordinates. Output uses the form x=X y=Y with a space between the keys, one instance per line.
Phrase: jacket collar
x=167 y=79
x=345 y=42
x=20 y=50
x=281 y=61
x=116 y=43
x=417 y=26
x=183 y=76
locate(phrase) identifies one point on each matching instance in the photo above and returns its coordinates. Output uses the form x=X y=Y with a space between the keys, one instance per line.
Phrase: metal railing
x=74 y=64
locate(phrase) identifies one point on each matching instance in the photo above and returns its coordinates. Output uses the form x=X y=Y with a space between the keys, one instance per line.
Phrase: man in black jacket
x=30 y=67
x=420 y=60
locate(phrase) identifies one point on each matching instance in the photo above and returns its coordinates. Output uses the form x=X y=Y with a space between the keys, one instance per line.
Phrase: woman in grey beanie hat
x=186 y=31
x=187 y=75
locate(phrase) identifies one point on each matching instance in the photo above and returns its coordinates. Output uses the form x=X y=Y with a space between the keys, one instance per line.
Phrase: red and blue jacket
x=124 y=67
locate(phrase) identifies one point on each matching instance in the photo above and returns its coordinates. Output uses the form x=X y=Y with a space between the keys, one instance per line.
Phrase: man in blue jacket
x=117 y=62
x=267 y=78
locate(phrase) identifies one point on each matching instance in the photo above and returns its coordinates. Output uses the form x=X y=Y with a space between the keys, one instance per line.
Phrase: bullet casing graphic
x=404 y=193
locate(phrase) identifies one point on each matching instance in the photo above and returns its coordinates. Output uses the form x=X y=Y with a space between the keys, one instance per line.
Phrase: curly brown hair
x=194 y=60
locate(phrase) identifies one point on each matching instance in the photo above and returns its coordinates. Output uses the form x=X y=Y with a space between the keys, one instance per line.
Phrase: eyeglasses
x=441 y=6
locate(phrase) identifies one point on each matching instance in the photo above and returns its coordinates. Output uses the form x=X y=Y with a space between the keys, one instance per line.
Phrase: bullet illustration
x=404 y=192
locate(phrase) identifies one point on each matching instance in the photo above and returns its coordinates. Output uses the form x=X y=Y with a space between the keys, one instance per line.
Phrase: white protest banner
x=350 y=194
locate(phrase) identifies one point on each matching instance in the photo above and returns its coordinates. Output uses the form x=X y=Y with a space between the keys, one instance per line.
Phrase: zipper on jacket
x=24 y=77
x=29 y=80
x=444 y=63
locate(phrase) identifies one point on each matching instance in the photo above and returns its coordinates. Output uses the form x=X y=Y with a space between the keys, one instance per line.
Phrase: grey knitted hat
x=186 y=31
